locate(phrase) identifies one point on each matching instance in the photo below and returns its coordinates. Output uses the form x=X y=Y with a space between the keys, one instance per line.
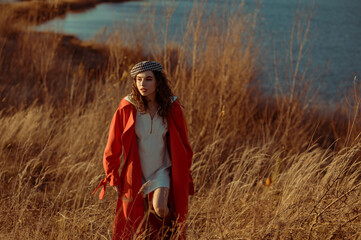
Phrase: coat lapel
x=128 y=132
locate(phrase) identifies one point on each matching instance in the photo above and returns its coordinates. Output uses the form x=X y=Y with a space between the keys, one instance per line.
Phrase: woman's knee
x=161 y=211
x=160 y=202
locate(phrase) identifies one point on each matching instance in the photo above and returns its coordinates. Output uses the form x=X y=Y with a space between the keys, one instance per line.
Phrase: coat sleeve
x=182 y=128
x=112 y=153
x=113 y=150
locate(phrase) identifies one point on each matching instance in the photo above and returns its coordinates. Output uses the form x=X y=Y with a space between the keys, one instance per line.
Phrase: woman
x=155 y=180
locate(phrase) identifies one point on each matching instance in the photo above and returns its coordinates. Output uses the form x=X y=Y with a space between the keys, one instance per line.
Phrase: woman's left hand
x=118 y=189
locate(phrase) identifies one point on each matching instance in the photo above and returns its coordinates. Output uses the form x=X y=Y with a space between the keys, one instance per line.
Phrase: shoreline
x=37 y=12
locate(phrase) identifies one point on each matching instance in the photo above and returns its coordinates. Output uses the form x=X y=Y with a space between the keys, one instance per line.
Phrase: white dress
x=152 y=147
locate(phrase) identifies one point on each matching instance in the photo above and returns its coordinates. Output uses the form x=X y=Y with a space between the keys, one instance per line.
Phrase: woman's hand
x=118 y=189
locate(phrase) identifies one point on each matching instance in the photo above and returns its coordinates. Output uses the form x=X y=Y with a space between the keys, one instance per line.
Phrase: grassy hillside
x=265 y=167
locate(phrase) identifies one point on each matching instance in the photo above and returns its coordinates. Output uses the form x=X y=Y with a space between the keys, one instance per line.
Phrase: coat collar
x=128 y=100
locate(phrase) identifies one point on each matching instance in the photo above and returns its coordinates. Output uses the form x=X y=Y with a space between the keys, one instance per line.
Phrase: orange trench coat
x=130 y=207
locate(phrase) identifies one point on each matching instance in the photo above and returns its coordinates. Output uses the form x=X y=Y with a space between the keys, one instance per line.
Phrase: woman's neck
x=152 y=103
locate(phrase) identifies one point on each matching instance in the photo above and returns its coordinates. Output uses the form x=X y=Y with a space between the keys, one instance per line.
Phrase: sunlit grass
x=264 y=167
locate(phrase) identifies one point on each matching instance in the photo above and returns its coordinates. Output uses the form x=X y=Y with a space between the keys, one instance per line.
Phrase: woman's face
x=146 y=84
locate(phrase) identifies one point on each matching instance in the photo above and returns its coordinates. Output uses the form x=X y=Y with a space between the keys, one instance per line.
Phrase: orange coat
x=130 y=207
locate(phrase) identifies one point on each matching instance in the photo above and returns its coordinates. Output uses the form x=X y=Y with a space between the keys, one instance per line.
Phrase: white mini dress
x=152 y=147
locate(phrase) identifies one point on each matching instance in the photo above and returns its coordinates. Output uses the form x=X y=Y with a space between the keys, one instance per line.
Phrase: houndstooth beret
x=145 y=66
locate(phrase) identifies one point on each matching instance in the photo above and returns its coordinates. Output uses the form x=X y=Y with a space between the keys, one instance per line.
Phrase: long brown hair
x=163 y=96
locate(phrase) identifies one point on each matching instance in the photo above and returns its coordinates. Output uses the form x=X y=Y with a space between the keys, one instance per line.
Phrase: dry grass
x=58 y=96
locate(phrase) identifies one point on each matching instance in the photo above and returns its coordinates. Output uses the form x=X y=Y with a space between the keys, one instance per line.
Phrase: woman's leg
x=160 y=201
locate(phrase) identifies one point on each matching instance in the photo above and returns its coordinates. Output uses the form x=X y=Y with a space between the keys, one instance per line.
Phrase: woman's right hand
x=118 y=189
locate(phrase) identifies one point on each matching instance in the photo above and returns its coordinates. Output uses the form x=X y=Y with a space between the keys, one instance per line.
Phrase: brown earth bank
x=41 y=66
x=38 y=67
x=36 y=12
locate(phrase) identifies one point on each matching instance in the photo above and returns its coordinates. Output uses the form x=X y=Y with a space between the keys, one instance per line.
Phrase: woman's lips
x=143 y=89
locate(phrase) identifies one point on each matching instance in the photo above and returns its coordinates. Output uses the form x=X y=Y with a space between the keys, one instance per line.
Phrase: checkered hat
x=145 y=66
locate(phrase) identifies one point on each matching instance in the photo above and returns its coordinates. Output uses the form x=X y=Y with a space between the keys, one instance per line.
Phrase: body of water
x=334 y=41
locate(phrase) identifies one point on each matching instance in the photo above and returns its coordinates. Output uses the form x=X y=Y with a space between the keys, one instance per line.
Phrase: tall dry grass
x=264 y=167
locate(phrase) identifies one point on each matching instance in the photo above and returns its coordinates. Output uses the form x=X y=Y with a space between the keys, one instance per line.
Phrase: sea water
x=333 y=42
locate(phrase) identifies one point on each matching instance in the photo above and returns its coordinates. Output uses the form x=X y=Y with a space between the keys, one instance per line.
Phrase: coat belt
x=102 y=192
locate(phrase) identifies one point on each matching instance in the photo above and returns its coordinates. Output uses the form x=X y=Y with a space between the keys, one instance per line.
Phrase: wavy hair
x=163 y=96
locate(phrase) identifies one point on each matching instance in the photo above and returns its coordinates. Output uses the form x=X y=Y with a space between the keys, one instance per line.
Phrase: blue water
x=8 y=1
x=334 y=41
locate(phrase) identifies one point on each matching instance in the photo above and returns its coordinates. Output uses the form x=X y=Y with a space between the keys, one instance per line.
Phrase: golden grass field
x=264 y=167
